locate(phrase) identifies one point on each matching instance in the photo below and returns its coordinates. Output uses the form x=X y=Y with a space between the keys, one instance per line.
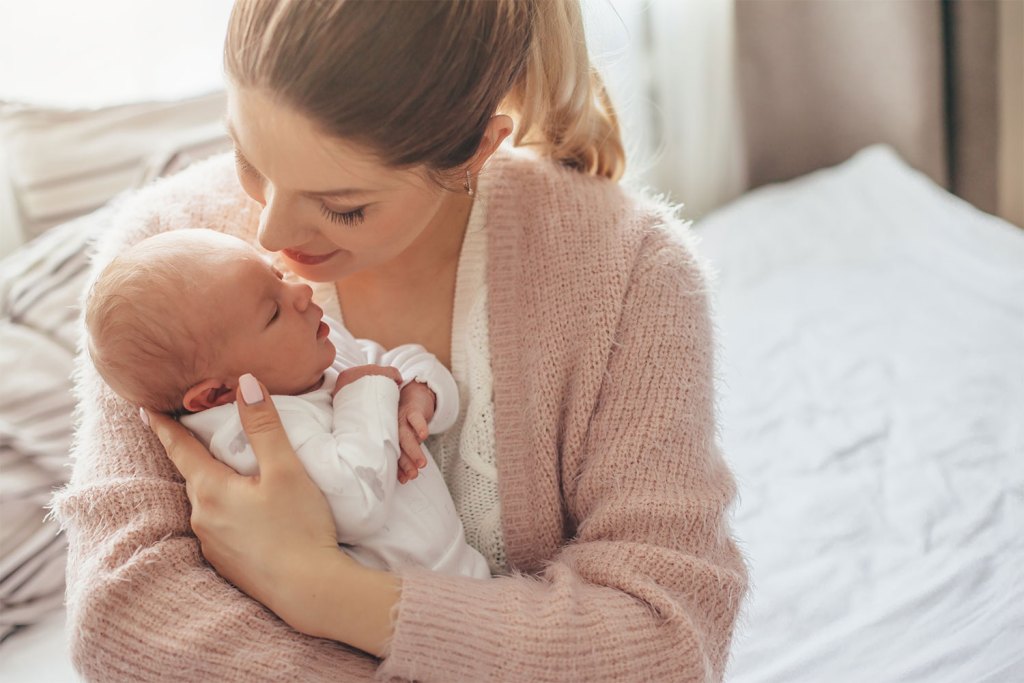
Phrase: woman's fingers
x=191 y=458
x=263 y=427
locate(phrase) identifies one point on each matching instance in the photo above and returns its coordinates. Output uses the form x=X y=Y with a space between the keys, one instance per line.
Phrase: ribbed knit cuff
x=440 y=632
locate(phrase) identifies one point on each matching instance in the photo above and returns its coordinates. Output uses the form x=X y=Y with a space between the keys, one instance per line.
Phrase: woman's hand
x=415 y=409
x=272 y=535
x=261 y=533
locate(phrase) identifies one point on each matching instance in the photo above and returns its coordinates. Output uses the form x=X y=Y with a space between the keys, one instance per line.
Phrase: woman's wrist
x=333 y=596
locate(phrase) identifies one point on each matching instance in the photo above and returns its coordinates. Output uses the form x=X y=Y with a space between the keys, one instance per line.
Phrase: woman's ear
x=207 y=394
x=498 y=128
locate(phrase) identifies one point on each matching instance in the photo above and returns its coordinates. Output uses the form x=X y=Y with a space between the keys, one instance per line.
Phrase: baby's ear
x=207 y=394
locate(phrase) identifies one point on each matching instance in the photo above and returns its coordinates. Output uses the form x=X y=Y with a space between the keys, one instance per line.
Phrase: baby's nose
x=303 y=298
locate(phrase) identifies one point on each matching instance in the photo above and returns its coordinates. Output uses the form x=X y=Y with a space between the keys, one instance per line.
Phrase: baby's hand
x=352 y=374
x=415 y=409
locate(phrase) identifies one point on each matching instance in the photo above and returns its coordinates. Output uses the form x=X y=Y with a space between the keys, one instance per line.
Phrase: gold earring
x=469 y=183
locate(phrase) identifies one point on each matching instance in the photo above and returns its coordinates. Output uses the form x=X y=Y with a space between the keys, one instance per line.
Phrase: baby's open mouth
x=323 y=330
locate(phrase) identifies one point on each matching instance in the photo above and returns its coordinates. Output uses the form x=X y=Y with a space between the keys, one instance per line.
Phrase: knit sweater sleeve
x=651 y=584
x=142 y=602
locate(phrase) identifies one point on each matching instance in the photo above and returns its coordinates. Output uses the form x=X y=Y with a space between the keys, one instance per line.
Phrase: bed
x=872 y=403
x=872 y=407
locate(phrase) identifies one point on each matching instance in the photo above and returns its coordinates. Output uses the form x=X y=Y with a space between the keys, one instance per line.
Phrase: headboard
x=941 y=81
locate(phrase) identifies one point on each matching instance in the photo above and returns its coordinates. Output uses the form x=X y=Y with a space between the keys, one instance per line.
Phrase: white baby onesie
x=349 y=447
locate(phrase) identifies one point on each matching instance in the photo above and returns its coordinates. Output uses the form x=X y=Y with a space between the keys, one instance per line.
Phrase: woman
x=576 y=323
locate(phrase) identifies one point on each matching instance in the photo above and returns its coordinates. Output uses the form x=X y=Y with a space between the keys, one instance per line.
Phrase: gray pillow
x=63 y=163
x=40 y=287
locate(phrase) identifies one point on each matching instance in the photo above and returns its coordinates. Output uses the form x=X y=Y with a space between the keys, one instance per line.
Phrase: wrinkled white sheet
x=872 y=406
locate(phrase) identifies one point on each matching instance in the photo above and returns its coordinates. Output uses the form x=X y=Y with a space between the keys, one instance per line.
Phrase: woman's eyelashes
x=347 y=217
x=353 y=217
x=243 y=163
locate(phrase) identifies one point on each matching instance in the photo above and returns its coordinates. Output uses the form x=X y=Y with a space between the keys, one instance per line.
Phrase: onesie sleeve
x=355 y=464
x=419 y=365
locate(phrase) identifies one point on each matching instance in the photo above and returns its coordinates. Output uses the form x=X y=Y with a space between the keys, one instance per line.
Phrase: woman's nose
x=278 y=219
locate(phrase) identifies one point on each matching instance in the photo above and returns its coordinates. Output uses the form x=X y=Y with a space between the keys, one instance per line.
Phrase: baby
x=173 y=322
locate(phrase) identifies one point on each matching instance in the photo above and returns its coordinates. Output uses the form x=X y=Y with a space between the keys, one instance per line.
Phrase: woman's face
x=329 y=207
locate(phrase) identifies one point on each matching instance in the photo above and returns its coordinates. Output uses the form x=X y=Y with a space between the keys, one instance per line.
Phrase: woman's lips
x=307 y=259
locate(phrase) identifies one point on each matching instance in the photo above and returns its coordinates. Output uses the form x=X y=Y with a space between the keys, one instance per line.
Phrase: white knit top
x=466 y=452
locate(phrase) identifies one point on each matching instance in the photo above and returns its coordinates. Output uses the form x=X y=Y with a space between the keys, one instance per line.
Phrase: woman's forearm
x=335 y=597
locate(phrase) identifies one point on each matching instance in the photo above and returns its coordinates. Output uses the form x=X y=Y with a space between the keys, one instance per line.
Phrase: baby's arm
x=355 y=464
x=417 y=364
x=351 y=458
x=414 y=363
x=352 y=374
x=429 y=402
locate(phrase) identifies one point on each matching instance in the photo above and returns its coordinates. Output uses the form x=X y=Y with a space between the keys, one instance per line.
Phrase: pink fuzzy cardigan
x=614 y=495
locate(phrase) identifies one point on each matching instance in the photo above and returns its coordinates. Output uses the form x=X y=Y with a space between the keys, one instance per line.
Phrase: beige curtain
x=933 y=78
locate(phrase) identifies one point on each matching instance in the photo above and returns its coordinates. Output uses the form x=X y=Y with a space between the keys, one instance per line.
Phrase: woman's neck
x=410 y=300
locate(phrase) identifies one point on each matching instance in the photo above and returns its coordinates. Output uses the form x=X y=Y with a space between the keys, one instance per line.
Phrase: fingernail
x=251 y=392
x=143 y=416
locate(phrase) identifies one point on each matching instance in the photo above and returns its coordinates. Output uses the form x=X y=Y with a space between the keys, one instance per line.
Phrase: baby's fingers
x=410 y=445
x=419 y=426
x=406 y=468
x=394 y=374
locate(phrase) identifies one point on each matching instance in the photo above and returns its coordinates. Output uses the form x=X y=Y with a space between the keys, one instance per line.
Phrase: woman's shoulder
x=557 y=214
x=204 y=195
x=520 y=173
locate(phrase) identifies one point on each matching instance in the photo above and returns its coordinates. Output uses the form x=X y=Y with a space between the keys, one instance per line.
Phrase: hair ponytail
x=562 y=105
x=418 y=82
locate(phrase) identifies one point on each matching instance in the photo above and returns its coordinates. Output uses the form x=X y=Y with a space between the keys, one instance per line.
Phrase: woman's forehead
x=294 y=153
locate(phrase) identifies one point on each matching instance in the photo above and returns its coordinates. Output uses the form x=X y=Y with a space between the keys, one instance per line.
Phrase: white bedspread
x=872 y=407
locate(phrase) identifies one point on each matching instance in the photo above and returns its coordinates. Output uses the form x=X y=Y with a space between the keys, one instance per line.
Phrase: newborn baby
x=173 y=322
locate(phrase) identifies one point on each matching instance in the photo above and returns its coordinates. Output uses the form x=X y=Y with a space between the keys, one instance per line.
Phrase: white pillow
x=56 y=165
x=40 y=287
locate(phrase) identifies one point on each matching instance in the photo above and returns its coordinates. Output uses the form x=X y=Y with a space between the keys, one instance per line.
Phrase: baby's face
x=262 y=324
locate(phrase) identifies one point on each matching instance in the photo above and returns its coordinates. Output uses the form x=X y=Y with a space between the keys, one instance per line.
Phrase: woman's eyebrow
x=230 y=128
x=344 y=193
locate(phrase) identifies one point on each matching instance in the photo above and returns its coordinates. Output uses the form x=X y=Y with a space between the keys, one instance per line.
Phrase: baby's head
x=175 y=320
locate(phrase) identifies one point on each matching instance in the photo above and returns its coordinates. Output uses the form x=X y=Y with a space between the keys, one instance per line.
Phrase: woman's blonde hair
x=417 y=81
